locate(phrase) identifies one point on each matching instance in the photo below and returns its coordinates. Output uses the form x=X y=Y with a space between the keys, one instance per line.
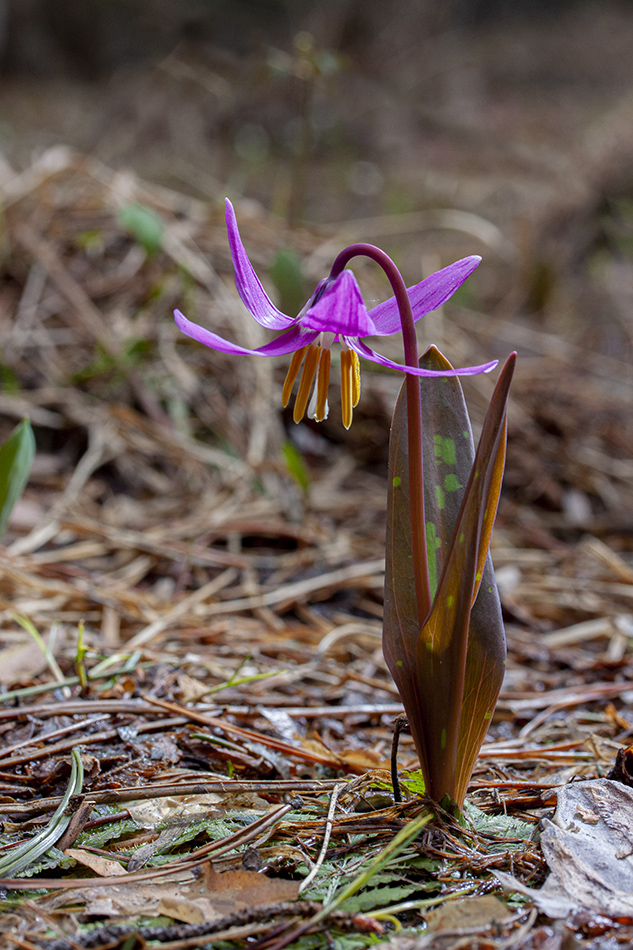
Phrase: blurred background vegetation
x=435 y=128
x=202 y=93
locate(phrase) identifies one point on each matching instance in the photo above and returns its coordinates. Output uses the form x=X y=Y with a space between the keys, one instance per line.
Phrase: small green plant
x=295 y=464
x=144 y=225
x=80 y=658
x=16 y=460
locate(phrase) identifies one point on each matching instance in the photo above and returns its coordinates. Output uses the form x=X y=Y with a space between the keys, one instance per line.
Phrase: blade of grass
x=20 y=858
x=53 y=665
x=25 y=691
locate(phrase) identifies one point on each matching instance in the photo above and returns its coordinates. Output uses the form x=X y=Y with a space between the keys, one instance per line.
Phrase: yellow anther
x=347 y=387
x=291 y=375
x=323 y=381
x=355 y=378
x=307 y=379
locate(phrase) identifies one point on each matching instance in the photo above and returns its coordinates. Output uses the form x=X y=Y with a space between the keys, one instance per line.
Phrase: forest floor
x=207 y=577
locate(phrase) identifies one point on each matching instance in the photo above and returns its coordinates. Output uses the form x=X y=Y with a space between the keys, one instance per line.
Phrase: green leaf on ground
x=295 y=463
x=502 y=827
x=144 y=225
x=16 y=459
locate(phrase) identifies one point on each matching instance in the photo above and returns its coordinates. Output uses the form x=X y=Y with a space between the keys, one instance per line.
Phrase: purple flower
x=334 y=313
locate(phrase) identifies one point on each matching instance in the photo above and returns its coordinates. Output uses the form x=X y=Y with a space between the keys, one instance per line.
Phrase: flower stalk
x=414 y=414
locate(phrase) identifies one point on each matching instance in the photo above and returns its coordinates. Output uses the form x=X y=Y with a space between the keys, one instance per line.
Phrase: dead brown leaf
x=21 y=662
x=465 y=913
x=208 y=897
x=101 y=866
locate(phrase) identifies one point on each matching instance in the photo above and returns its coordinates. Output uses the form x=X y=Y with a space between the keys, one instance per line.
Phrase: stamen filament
x=347 y=387
x=291 y=375
x=323 y=382
x=307 y=379
x=355 y=378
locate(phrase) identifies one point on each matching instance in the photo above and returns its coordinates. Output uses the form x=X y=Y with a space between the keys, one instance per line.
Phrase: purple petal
x=287 y=343
x=339 y=309
x=428 y=295
x=363 y=350
x=248 y=284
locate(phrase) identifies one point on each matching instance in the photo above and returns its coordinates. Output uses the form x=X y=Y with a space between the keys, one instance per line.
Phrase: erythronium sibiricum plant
x=443 y=635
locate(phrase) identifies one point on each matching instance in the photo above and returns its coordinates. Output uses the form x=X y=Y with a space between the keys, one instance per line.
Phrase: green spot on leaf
x=399 y=663
x=450 y=600
x=440 y=497
x=396 y=481
x=462 y=538
x=431 y=554
x=466 y=434
x=488 y=715
x=448 y=452
x=451 y=483
x=444 y=449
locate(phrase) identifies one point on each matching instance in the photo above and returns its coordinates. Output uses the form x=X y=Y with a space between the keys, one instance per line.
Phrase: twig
x=399 y=724
x=54 y=734
x=330 y=760
x=326 y=839
x=143 y=792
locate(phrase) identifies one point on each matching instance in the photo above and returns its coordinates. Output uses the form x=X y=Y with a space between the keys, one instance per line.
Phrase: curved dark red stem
x=414 y=416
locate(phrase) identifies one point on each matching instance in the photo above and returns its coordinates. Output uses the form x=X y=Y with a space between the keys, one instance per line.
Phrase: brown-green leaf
x=449 y=674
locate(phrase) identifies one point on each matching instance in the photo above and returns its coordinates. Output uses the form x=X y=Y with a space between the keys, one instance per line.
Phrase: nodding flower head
x=337 y=314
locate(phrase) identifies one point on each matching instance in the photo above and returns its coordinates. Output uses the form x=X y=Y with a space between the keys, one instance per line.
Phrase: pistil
x=323 y=382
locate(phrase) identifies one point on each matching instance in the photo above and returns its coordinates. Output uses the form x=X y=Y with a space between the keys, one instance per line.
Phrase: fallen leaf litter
x=209 y=604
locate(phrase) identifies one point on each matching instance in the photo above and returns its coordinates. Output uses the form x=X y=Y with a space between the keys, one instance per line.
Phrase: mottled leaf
x=485 y=669
x=448 y=456
x=450 y=673
x=468 y=669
